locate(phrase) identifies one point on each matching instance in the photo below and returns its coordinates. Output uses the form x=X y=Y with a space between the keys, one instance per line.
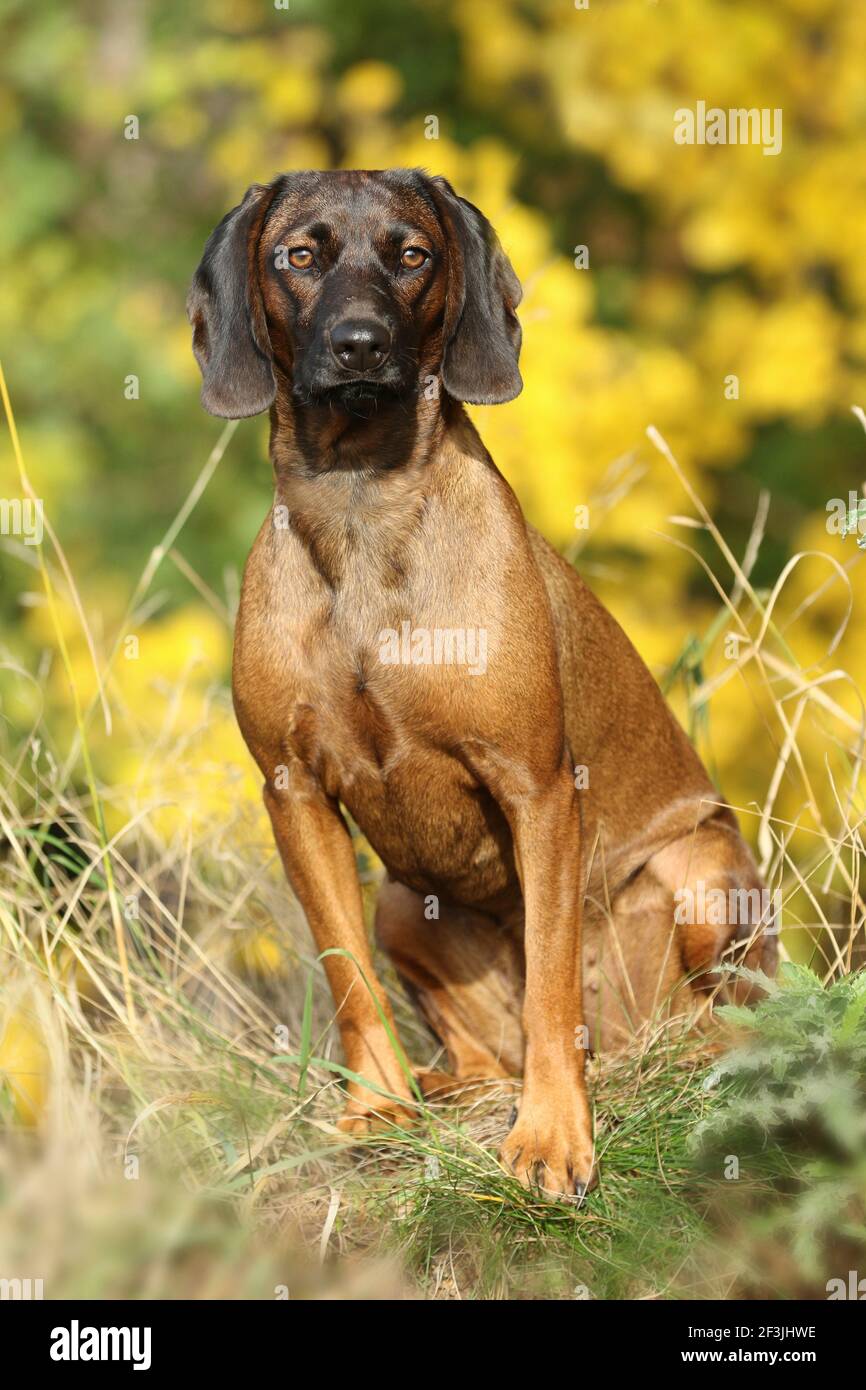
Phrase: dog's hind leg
x=721 y=908
x=464 y=973
x=632 y=962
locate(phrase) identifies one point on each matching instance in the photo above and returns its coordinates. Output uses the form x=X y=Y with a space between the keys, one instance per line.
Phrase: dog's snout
x=361 y=345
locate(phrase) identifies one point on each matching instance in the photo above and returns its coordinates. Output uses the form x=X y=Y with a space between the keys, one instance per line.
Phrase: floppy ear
x=482 y=334
x=224 y=304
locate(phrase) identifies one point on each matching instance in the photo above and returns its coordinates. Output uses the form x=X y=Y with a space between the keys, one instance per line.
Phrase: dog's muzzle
x=361 y=346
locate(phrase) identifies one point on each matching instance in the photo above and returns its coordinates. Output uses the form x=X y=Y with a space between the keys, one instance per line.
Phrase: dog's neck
x=387 y=435
x=362 y=480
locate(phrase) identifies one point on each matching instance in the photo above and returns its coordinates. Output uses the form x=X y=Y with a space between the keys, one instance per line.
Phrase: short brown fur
x=555 y=905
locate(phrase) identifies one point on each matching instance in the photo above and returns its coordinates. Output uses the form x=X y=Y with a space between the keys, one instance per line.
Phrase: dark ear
x=224 y=304
x=482 y=334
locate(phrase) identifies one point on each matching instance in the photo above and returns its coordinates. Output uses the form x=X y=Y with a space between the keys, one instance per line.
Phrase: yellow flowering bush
x=714 y=292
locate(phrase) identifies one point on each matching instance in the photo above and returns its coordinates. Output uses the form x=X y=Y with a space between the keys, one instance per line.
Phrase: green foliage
x=802 y=1067
x=790 y=1105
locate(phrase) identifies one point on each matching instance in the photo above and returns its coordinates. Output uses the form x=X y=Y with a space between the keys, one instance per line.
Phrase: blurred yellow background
x=169 y=1063
x=705 y=263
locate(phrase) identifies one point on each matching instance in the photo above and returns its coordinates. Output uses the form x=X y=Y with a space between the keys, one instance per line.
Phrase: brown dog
x=409 y=649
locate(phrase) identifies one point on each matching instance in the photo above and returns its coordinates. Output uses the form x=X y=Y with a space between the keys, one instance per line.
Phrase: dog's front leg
x=317 y=853
x=550 y=1145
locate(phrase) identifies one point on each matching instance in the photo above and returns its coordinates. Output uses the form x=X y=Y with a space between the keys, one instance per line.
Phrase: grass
x=171 y=1075
x=200 y=1105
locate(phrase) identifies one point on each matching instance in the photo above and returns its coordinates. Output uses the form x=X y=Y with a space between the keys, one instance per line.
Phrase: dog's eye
x=300 y=257
x=414 y=257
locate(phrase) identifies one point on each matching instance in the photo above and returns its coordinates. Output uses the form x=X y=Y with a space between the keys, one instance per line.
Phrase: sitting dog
x=409 y=649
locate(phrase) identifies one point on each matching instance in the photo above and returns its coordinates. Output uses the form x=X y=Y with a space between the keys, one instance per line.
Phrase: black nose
x=360 y=345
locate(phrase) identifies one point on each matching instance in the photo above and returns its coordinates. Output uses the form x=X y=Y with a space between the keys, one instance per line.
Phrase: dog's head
x=354 y=285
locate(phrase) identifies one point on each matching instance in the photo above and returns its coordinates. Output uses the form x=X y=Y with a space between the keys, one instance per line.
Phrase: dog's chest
x=369 y=687
x=371 y=690
x=381 y=735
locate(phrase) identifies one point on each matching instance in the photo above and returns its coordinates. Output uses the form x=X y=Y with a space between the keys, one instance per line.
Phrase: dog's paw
x=433 y=1083
x=378 y=1115
x=549 y=1157
x=439 y=1085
